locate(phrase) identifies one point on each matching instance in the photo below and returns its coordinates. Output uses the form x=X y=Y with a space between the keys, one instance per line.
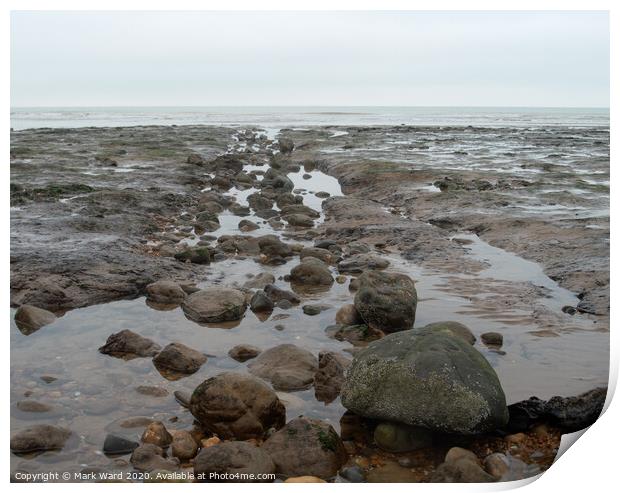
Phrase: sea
x=303 y=116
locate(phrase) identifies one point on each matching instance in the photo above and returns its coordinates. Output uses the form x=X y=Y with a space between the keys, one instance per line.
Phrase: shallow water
x=94 y=392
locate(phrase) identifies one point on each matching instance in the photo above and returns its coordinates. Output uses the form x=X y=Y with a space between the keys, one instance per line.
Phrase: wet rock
x=450 y=386
x=244 y=352
x=396 y=437
x=300 y=209
x=348 y=315
x=329 y=377
x=391 y=472
x=457 y=328
x=306 y=447
x=358 y=335
x=150 y=457
x=151 y=390
x=29 y=318
x=236 y=405
x=232 y=458
x=496 y=465
x=194 y=255
x=239 y=210
x=115 y=445
x=568 y=413
x=287 y=367
x=277 y=294
x=39 y=438
x=128 y=344
x=386 y=301
x=320 y=253
x=247 y=225
x=211 y=207
x=260 y=302
x=284 y=304
x=494 y=339
x=576 y=413
x=165 y=292
x=314 y=309
x=272 y=246
x=48 y=378
x=299 y=220
x=277 y=181
x=322 y=195
x=179 y=358
x=182 y=397
x=259 y=281
x=259 y=202
x=353 y=474
x=361 y=262
x=157 y=434
x=509 y=468
x=311 y=272
x=286 y=145
x=461 y=466
x=215 y=304
x=33 y=407
x=183 y=446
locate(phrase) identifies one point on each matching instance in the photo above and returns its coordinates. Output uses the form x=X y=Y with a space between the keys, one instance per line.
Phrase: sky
x=310 y=58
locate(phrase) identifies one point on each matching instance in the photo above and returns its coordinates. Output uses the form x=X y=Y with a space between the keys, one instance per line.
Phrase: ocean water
x=288 y=116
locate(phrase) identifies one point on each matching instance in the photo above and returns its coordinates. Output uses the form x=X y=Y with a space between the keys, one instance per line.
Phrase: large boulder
x=306 y=447
x=311 y=272
x=127 y=344
x=386 y=301
x=237 y=406
x=179 y=358
x=287 y=367
x=29 y=318
x=211 y=305
x=232 y=459
x=427 y=378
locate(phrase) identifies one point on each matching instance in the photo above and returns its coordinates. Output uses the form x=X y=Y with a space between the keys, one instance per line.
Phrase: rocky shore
x=325 y=304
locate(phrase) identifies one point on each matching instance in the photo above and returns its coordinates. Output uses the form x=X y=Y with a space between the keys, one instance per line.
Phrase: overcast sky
x=309 y=58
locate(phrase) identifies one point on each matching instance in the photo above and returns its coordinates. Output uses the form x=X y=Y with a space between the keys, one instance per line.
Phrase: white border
x=589 y=466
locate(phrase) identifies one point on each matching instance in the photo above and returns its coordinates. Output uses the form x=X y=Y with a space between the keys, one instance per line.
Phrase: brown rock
x=128 y=344
x=29 y=318
x=236 y=405
x=306 y=447
x=157 y=434
x=287 y=367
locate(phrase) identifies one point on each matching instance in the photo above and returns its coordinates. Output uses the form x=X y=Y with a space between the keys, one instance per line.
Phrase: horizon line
x=309 y=106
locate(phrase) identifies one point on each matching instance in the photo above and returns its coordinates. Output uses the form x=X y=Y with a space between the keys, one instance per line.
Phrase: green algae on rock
x=427 y=378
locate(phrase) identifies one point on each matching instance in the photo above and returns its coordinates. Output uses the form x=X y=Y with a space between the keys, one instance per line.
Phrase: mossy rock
x=427 y=378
